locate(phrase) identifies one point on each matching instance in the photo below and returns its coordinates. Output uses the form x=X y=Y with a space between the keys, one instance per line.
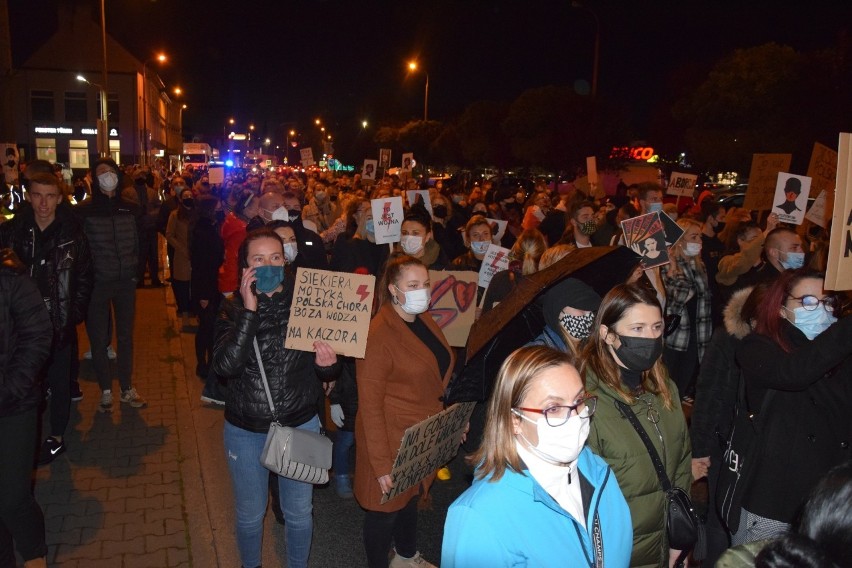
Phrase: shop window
x=115 y=150
x=46 y=149
x=41 y=105
x=78 y=154
x=75 y=107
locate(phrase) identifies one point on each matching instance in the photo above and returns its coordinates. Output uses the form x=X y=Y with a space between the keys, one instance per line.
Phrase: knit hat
x=569 y=292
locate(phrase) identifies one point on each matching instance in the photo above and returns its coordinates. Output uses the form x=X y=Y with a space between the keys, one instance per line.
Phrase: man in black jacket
x=111 y=225
x=25 y=334
x=50 y=241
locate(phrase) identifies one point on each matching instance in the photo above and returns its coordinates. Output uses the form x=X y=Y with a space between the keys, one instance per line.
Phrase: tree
x=480 y=132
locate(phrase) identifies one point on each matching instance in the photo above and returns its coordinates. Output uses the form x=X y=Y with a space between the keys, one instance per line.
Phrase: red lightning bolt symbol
x=497 y=258
x=362 y=291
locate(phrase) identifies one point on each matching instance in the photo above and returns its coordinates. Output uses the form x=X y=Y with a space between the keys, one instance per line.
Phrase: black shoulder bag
x=685 y=532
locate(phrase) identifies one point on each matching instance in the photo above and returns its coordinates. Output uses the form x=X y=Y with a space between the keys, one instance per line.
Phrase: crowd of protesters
x=737 y=323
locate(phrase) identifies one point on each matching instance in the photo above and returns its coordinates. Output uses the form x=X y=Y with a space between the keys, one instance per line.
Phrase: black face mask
x=188 y=202
x=440 y=211
x=639 y=353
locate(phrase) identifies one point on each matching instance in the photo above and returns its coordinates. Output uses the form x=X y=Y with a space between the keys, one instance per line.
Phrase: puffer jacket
x=25 y=334
x=59 y=261
x=294 y=380
x=112 y=227
x=718 y=380
x=613 y=438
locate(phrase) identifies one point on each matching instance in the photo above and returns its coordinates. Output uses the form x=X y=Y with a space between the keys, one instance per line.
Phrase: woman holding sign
x=257 y=315
x=401 y=382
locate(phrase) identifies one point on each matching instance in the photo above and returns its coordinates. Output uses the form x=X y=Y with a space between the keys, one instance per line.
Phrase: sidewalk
x=150 y=488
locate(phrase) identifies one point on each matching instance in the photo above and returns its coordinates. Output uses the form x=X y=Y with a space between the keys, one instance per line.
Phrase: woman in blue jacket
x=539 y=496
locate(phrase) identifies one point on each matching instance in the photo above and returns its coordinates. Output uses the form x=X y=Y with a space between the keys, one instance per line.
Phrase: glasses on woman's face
x=559 y=415
x=810 y=303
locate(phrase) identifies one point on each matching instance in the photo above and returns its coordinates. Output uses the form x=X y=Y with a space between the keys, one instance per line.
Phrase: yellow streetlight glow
x=267 y=141
x=329 y=136
x=363 y=124
x=251 y=126
x=162 y=58
x=317 y=122
x=178 y=91
x=412 y=65
x=230 y=121
x=184 y=107
x=322 y=129
x=292 y=133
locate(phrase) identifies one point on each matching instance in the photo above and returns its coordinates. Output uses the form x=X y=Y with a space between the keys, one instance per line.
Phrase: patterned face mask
x=578 y=327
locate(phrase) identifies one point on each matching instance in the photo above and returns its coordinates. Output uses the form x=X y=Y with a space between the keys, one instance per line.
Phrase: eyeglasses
x=810 y=303
x=559 y=415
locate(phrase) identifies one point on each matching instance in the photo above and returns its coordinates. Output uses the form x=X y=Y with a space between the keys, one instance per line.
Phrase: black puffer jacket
x=112 y=226
x=59 y=261
x=293 y=378
x=25 y=334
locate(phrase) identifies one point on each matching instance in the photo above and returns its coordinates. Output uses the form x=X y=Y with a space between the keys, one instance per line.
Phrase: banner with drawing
x=791 y=198
x=646 y=236
x=387 y=219
x=453 y=304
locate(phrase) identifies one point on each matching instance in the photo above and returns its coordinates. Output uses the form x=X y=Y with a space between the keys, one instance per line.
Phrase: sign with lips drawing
x=453 y=304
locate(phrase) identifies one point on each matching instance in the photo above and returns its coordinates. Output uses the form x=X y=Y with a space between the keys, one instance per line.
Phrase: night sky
x=278 y=62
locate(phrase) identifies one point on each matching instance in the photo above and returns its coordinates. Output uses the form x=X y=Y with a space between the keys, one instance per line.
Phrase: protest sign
x=453 y=303
x=407 y=162
x=838 y=274
x=498 y=229
x=496 y=259
x=384 y=158
x=762 y=179
x=681 y=184
x=791 y=198
x=595 y=189
x=428 y=445
x=412 y=195
x=387 y=219
x=819 y=214
x=369 y=169
x=671 y=229
x=822 y=168
x=216 y=176
x=645 y=236
x=333 y=307
x=307 y=155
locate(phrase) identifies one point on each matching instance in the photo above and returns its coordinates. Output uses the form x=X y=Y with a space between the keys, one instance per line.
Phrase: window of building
x=46 y=149
x=115 y=150
x=113 y=108
x=78 y=154
x=41 y=103
x=75 y=107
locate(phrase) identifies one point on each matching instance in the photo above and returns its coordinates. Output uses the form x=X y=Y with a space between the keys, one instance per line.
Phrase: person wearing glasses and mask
x=540 y=497
x=401 y=381
x=798 y=375
x=622 y=363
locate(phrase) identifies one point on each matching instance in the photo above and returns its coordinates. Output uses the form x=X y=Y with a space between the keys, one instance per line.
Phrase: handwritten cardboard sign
x=646 y=236
x=819 y=213
x=838 y=273
x=822 y=168
x=307 y=156
x=428 y=445
x=496 y=260
x=333 y=307
x=595 y=189
x=681 y=184
x=791 y=198
x=423 y=194
x=762 y=179
x=216 y=176
x=453 y=304
x=368 y=171
x=387 y=219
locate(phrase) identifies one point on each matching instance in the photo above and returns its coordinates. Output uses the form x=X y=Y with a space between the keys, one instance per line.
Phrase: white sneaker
x=87 y=354
x=416 y=562
x=110 y=353
x=106 y=402
x=131 y=397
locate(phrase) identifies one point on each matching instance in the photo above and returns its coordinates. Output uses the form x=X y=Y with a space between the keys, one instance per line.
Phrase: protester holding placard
x=417 y=241
x=622 y=363
x=797 y=368
x=539 y=493
x=259 y=312
x=356 y=249
x=525 y=254
x=401 y=381
x=477 y=237
x=687 y=305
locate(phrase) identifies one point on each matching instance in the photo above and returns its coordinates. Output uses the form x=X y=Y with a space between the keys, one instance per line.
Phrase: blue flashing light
x=229 y=163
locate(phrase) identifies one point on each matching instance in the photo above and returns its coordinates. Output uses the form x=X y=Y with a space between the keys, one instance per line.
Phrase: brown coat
x=399 y=385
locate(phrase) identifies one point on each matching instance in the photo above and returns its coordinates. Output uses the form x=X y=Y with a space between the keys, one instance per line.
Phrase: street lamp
x=103 y=137
x=160 y=58
x=363 y=124
x=178 y=91
x=413 y=66
x=581 y=6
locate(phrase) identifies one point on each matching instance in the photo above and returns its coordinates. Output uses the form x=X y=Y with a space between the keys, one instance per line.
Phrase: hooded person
x=569 y=310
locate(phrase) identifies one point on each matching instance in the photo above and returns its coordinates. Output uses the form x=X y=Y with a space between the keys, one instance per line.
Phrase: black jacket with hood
x=59 y=261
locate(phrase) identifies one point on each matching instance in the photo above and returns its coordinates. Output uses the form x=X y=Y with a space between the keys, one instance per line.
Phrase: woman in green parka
x=622 y=362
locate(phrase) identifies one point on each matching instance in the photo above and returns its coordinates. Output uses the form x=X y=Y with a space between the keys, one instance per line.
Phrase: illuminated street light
x=178 y=91
x=363 y=124
x=162 y=59
x=322 y=129
x=413 y=66
x=317 y=122
x=292 y=133
x=103 y=138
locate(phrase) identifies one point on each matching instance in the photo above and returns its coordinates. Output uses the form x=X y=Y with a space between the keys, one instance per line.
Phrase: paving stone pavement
x=150 y=488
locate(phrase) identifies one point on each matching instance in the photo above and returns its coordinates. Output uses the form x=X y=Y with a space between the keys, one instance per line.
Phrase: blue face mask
x=654 y=207
x=479 y=247
x=793 y=261
x=812 y=322
x=269 y=277
x=370 y=227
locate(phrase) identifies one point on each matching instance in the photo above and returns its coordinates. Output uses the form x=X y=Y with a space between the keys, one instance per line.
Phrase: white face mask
x=479 y=247
x=416 y=301
x=108 y=181
x=281 y=214
x=411 y=244
x=692 y=249
x=290 y=251
x=558 y=445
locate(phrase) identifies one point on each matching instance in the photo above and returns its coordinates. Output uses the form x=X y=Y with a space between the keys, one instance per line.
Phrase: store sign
x=62 y=130
x=631 y=152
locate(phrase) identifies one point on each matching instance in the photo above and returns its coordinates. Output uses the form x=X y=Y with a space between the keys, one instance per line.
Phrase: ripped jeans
x=250 y=484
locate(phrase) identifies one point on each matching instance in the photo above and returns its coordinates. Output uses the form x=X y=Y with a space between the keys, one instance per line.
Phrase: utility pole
x=7 y=126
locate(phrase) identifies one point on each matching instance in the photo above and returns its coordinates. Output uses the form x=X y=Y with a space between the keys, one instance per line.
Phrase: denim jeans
x=119 y=296
x=344 y=440
x=249 y=480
